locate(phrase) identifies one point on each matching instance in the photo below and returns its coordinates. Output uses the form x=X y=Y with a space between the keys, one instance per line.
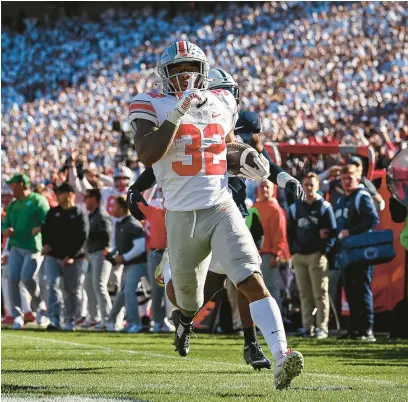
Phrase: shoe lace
x=188 y=331
x=257 y=349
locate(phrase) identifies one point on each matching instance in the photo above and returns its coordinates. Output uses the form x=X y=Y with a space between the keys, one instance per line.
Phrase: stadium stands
x=317 y=72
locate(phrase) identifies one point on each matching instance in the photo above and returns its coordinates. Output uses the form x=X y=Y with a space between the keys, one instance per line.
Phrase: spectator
x=316 y=90
x=355 y=213
x=22 y=224
x=156 y=228
x=275 y=245
x=311 y=234
x=64 y=259
x=98 y=243
x=130 y=245
x=334 y=186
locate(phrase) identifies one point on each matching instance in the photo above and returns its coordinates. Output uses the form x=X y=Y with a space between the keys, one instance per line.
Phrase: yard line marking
x=192 y=359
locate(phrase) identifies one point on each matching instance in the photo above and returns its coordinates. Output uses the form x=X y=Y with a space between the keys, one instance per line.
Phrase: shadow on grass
x=390 y=364
x=361 y=352
x=23 y=389
x=322 y=388
x=87 y=370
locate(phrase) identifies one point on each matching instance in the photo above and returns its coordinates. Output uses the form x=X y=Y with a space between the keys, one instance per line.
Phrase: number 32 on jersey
x=212 y=165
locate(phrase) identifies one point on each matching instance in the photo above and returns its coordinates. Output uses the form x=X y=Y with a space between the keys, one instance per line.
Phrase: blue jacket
x=304 y=224
x=356 y=212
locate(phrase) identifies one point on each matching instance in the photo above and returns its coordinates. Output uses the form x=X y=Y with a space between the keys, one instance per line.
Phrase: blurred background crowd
x=316 y=72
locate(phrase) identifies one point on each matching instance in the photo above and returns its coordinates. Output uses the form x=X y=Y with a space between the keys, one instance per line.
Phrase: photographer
x=356 y=213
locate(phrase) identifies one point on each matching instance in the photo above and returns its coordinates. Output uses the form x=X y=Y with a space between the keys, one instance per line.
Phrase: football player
x=247 y=128
x=182 y=133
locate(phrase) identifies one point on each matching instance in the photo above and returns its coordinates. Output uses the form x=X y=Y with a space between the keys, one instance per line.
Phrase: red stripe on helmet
x=182 y=47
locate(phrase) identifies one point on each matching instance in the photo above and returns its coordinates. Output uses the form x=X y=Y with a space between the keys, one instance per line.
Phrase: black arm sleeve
x=291 y=231
x=274 y=168
x=257 y=231
x=146 y=180
x=398 y=211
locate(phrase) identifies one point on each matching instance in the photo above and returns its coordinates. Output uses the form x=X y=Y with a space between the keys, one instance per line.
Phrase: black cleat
x=254 y=355
x=182 y=334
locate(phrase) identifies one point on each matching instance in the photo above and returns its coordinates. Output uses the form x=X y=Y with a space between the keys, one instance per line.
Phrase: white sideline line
x=138 y=352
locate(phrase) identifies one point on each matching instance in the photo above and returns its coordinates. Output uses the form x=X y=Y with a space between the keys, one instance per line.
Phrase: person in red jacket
x=156 y=230
x=275 y=247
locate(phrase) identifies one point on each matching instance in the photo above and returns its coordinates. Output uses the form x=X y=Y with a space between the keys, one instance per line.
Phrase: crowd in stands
x=316 y=72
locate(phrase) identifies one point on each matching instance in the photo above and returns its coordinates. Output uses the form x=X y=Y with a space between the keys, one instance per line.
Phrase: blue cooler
x=369 y=248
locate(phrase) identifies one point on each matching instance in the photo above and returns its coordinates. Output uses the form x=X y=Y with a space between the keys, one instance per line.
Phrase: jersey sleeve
x=142 y=108
x=231 y=104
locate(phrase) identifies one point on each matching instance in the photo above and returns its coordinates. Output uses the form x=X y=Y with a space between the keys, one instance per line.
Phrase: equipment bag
x=369 y=248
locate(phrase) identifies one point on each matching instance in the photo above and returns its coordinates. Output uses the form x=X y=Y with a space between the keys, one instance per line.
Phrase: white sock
x=268 y=319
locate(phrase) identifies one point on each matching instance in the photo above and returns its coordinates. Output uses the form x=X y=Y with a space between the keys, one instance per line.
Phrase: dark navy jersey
x=248 y=124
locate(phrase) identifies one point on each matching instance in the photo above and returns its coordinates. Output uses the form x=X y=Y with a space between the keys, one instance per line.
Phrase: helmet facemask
x=198 y=79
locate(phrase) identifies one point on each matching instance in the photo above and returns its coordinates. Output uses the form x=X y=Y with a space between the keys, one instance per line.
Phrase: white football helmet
x=123 y=172
x=122 y=177
x=218 y=78
x=183 y=52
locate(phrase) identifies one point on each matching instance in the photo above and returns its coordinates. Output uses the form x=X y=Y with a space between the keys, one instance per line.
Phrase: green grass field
x=48 y=366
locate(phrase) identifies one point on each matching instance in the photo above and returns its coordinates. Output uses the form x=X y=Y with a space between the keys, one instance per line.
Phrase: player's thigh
x=189 y=259
x=233 y=245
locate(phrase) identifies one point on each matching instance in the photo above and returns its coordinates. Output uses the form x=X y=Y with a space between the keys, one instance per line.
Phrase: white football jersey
x=193 y=172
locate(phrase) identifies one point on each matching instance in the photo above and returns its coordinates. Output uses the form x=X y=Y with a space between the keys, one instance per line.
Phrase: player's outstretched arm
x=292 y=186
x=145 y=181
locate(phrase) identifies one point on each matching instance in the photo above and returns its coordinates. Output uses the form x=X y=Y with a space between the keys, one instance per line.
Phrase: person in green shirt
x=22 y=225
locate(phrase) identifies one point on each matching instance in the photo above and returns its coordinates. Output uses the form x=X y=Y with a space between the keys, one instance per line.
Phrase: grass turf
x=144 y=367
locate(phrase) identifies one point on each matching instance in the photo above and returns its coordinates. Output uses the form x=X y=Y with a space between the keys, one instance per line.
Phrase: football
x=239 y=154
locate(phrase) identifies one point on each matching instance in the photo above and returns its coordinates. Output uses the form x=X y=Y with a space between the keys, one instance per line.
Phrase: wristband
x=283 y=178
x=175 y=117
